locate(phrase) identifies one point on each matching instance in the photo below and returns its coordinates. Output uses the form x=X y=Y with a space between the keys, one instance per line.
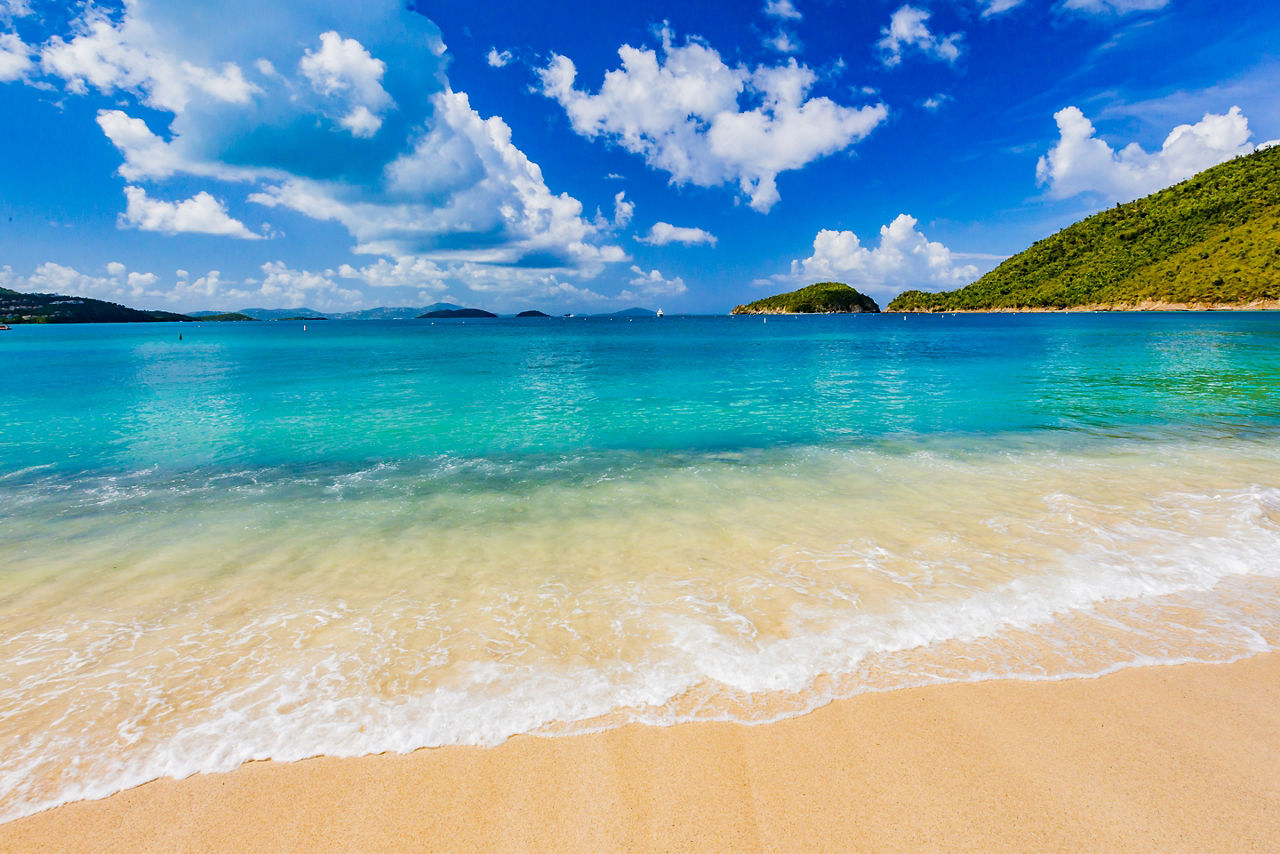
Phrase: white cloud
x=623 y=210
x=651 y=284
x=111 y=57
x=498 y=59
x=145 y=154
x=10 y=9
x=1082 y=163
x=118 y=285
x=15 y=58
x=462 y=193
x=1271 y=143
x=501 y=288
x=904 y=258
x=996 y=7
x=781 y=9
x=344 y=70
x=934 y=102
x=200 y=214
x=415 y=171
x=663 y=233
x=908 y=30
x=680 y=111
x=783 y=42
x=282 y=285
x=404 y=272
x=1114 y=7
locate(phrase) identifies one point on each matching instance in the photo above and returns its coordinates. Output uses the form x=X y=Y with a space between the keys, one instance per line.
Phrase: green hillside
x=1209 y=241
x=822 y=298
x=225 y=317
x=54 y=308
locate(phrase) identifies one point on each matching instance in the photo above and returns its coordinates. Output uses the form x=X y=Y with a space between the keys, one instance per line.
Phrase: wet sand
x=1180 y=758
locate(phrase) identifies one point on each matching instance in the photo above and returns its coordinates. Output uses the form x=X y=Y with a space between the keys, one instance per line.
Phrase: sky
x=592 y=156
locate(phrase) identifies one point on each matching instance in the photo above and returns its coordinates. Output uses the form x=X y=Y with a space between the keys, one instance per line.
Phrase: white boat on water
x=659 y=313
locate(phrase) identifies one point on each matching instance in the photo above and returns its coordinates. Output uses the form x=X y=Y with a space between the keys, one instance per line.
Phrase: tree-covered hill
x=1212 y=240
x=54 y=308
x=822 y=298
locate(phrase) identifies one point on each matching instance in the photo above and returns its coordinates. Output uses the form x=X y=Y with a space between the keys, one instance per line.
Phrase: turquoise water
x=121 y=397
x=270 y=540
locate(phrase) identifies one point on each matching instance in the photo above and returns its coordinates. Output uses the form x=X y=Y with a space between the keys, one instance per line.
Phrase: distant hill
x=1211 y=241
x=822 y=298
x=456 y=313
x=281 y=313
x=395 y=313
x=532 y=313
x=224 y=317
x=55 y=308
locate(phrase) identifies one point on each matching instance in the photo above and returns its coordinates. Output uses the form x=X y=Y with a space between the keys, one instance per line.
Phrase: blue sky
x=592 y=156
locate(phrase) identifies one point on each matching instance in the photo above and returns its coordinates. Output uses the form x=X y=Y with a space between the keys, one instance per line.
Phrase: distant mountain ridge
x=1211 y=241
x=18 y=307
x=456 y=314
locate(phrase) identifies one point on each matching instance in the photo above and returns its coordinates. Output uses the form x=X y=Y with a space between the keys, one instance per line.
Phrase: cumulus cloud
x=651 y=284
x=15 y=58
x=663 y=233
x=345 y=117
x=403 y=272
x=680 y=109
x=119 y=285
x=1082 y=163
x=146 y=155
x=499 y=59
x=782 y=9
x=783 y=42
x=908 y=31
x=934 y=102
x=10 y=9
x=343 y=70
x=904 y=258
x=200 y=214
x=109 y=57
x=1114 y=7
x=463 y=192
x=623 y=210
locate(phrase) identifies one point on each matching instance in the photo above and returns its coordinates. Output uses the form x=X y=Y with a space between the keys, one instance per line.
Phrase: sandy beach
x=1182 y=758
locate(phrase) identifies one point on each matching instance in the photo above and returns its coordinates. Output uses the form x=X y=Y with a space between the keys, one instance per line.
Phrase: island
x=456 y=313
x=532 y=313
x=1211 y=242
x=224 y=317
x=821 y=298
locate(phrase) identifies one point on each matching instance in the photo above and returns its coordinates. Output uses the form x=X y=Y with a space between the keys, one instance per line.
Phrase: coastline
x=1148 y=305
x=1153 y=758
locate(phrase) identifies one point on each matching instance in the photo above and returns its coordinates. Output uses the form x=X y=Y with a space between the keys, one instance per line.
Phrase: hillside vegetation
x=54 y=308
x=1210 y=241
x=822 y=298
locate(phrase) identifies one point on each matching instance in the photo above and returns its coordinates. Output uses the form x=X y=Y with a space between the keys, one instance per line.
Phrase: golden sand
x=1180 y=758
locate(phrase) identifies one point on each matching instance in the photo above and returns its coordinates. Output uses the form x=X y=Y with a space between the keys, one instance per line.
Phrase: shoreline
x=1095 y=308
x=1180 y=757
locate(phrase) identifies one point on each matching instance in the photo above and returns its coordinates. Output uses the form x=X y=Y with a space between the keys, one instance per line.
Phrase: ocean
x=278 y=540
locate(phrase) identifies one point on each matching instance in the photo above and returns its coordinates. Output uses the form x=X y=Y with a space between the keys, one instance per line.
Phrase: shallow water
x=264 y=542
